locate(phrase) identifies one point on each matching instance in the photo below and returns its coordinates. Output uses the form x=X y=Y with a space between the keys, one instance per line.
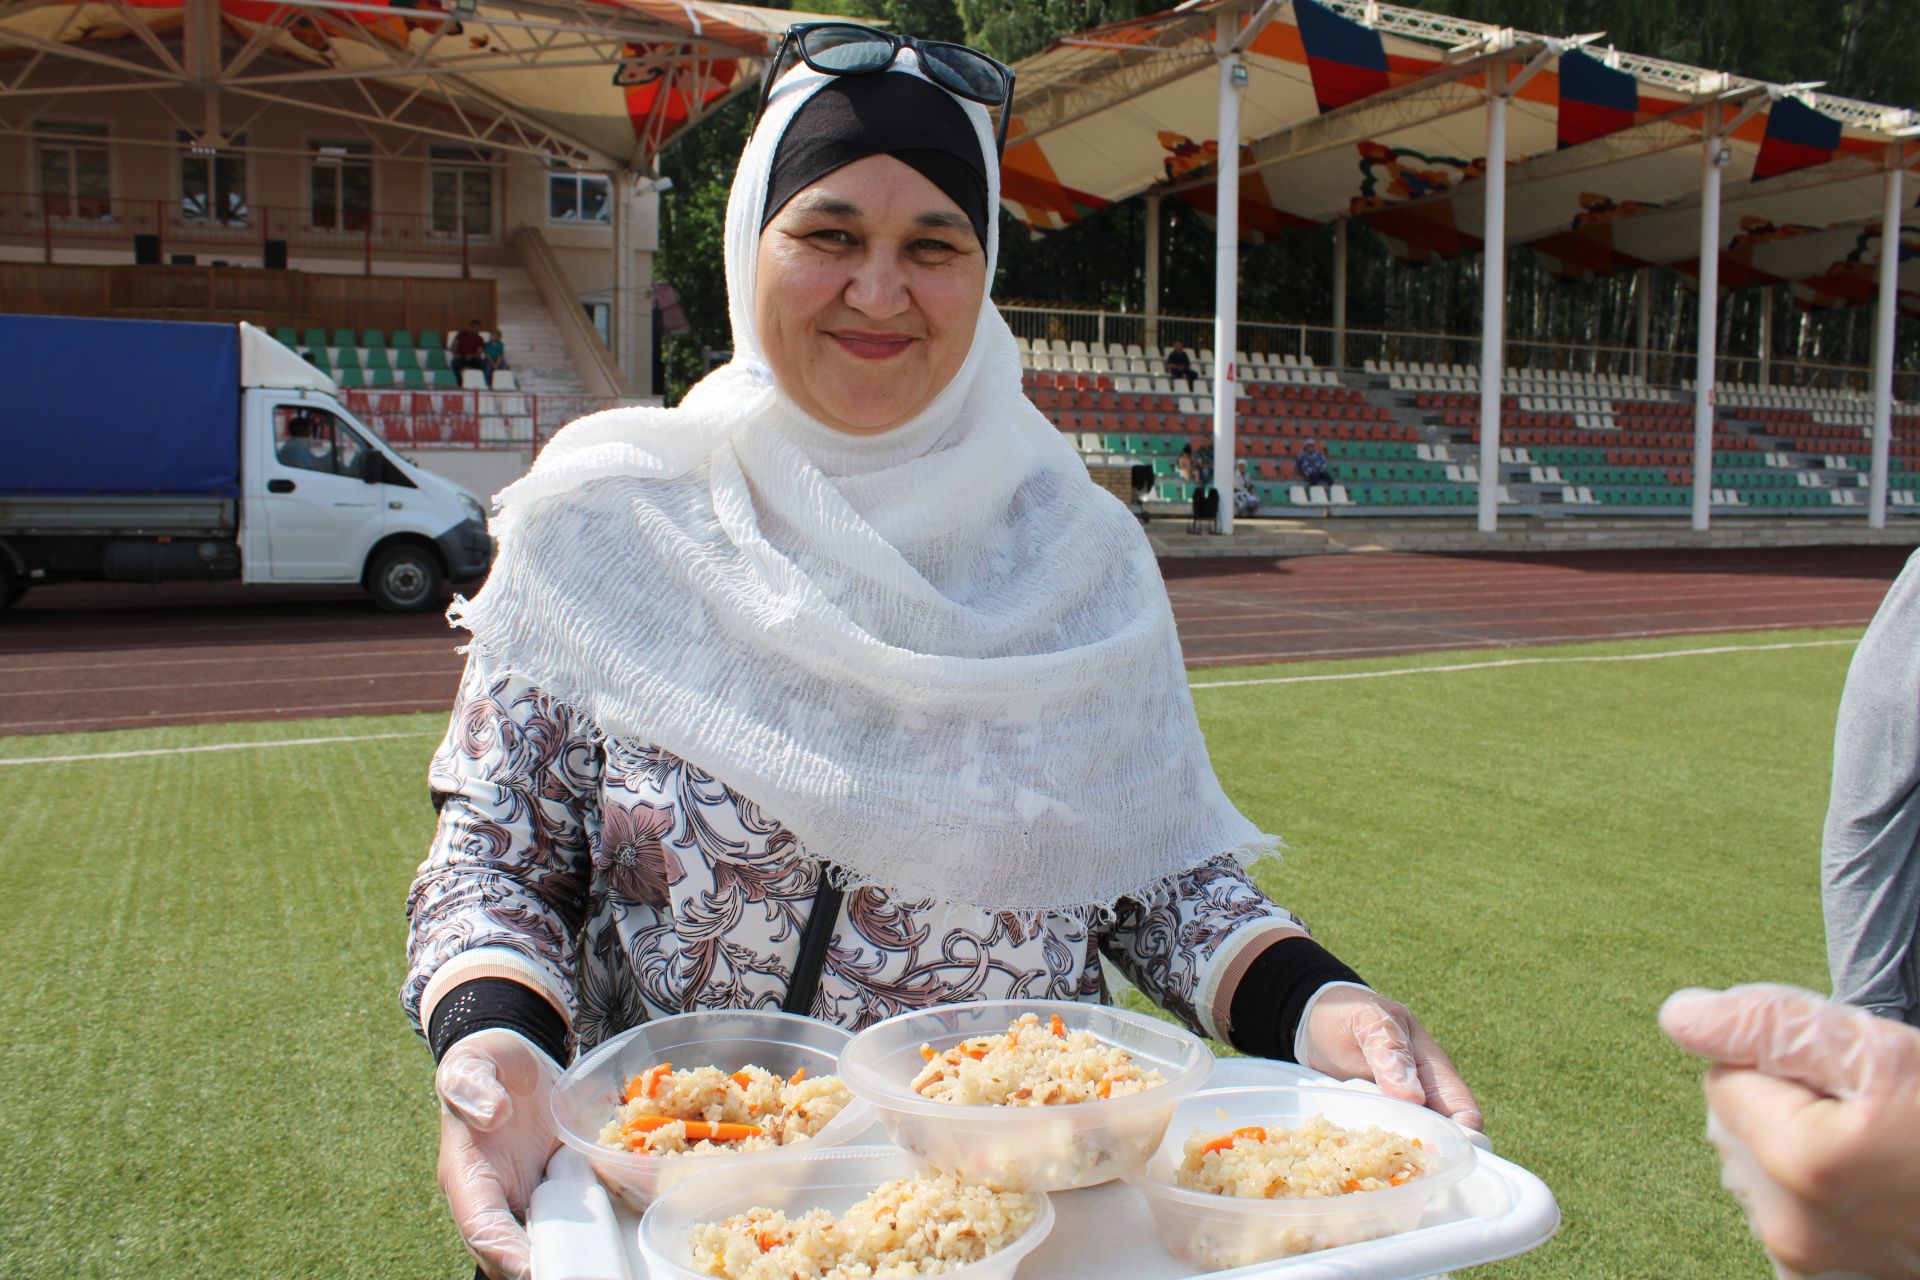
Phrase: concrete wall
x=484 y=471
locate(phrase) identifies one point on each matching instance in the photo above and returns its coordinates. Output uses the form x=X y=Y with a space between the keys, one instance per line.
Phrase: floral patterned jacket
x=624 y=883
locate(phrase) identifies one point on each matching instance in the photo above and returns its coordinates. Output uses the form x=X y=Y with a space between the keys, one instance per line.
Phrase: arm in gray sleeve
x=1869 y=864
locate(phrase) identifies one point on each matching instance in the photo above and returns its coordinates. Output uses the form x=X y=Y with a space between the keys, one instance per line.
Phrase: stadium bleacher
x=1403 y=437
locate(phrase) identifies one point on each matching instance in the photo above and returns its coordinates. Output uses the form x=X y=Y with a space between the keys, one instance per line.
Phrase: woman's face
x=869 y=285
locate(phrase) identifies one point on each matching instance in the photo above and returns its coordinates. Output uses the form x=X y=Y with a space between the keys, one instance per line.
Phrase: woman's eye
x=932 y=246
x=832 y=236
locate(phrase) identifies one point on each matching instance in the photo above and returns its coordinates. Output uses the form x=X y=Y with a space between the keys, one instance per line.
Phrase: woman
x=1245 y=500
x=840 y=688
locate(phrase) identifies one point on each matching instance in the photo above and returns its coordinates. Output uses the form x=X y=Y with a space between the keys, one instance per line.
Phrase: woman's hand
x=1351 y=1033
x=1816 y=1110
x=496 y=1133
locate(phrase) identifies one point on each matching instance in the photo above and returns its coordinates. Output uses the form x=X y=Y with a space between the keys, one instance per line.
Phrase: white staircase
x=535 y=351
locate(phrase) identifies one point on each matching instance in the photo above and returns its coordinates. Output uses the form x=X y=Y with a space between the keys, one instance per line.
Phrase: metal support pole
x=1493 y=299
x=1226 y=275
x=1766 y=336
x=1886 y=307
x=1710 y=162
x=1643 y=292
x=625 y=350
x=1152 y=302
x=1340 y=293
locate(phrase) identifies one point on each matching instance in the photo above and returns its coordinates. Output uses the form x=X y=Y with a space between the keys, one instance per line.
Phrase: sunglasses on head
x=849 y=49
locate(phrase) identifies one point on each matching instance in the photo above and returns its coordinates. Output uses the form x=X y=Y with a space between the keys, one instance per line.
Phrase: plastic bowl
x=1210 y=1232
x=589 y=1091
x=794 y=1183
x=1024 y=1148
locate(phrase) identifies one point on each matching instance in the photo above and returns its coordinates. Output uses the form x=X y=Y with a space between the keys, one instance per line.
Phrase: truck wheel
x=405 y=580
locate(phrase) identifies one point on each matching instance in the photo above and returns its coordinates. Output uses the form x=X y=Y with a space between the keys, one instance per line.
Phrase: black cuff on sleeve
x=497 y=1002
x=1274 y=992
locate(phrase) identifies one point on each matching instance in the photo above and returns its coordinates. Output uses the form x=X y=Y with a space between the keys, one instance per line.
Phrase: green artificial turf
x=207 y=1072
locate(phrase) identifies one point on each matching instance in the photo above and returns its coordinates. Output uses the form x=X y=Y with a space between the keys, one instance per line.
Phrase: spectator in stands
x=493 y=356
x=1870 y=857
x=810 y=582
x=469 y=350
x=1180 y=365
x=1815 y=1107
x=1184 y=463
x=1310 y=465
x=1245 y=500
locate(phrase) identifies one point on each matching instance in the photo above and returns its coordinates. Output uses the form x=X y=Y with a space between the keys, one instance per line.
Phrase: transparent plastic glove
x=1352 y=1033
x=496 y=1132
x=1816 y=1110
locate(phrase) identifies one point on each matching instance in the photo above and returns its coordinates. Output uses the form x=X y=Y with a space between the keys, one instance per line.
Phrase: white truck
x=143 y=450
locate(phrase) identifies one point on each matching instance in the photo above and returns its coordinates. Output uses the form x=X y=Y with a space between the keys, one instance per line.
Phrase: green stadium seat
x=403 y=358
x=402 y=338
x=349 y=377
x=443 y=378
x=314 y=338
x=1113 y=443
x=346 y=357
x=343 y=338
x=317 y=357
x=434 y=358
x=372 y=338
x=286 y=337
x=377 y=358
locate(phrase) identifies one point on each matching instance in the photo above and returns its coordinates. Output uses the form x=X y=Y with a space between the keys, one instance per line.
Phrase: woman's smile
x=872 y=346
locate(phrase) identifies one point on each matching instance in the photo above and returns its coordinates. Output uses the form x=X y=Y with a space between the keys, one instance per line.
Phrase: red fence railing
x=56 y=221
x=470 y=419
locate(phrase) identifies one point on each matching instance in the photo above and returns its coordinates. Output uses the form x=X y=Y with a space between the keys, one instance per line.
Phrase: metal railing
x=176 y=226
x=470 y=419
x=1325 y=346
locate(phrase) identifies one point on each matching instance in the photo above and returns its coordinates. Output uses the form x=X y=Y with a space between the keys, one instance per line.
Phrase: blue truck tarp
x=119 y=406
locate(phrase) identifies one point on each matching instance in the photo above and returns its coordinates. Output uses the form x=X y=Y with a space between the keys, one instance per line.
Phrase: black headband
x=890 y=113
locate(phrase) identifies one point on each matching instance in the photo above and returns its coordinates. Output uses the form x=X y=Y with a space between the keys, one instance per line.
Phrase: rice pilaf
x=705 y=1110
x=1031 y=1065
x=1316 y=1158
x=922 y=1226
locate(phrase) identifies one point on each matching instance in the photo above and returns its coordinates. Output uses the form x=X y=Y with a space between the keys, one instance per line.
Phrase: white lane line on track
x=356 y=679
x=285 y=654
x=1341 y=652
x=394 y=706
x=1524 y=662
x=214 y=746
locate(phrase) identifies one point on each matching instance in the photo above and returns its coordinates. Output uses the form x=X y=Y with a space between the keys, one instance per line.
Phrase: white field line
x=217 y=746
x=1206 y=684
x=1524 y=662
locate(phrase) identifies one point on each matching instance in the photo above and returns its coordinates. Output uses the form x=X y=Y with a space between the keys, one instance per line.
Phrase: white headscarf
x=941 y=656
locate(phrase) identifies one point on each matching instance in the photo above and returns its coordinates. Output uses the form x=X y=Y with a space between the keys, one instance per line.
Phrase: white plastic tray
x=1103 y=1232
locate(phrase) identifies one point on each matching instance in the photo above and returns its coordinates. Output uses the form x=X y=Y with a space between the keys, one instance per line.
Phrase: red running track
x=88 y=657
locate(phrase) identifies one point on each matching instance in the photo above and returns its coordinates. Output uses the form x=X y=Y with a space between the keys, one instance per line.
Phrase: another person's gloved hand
x=1816 y=1110
x=1352 y=1033
x=496 y=1133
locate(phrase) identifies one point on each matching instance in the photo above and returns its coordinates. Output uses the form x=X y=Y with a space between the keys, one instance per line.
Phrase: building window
x=213 y=184
x=462 y=189
x=76 y=178
x=341 y=178
x=600 y=316
x=578 y=197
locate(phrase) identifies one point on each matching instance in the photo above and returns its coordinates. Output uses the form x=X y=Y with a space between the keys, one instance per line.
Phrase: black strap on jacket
x=813 y=945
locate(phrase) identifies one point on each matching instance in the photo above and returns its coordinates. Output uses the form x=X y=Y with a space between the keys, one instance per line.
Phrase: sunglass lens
x=966 y=72
x=848 y=50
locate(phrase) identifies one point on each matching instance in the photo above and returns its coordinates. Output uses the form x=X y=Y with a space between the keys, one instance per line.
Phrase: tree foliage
x=1858 y=47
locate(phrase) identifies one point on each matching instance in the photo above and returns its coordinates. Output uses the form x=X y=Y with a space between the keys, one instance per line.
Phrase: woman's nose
x=878 y=287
